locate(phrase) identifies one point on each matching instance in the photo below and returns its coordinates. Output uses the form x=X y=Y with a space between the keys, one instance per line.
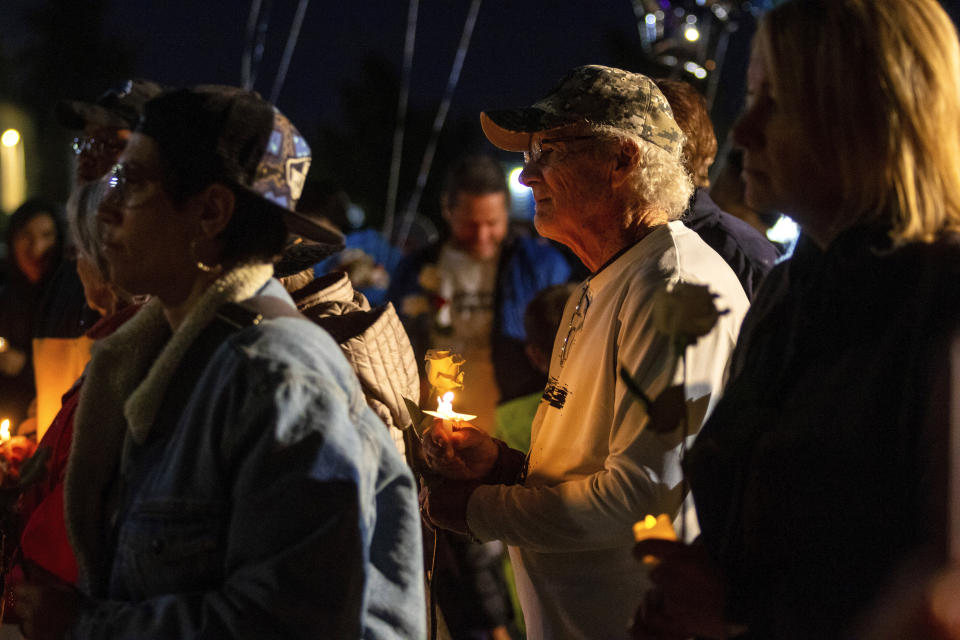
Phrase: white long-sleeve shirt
x=593 y=468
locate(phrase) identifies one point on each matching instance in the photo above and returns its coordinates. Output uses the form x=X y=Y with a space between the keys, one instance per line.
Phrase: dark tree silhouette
x=355 y=155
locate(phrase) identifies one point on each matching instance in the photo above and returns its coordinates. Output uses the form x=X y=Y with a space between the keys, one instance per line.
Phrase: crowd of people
x=231 y=442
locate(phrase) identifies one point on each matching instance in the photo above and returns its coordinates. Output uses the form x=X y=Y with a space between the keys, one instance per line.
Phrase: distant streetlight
x=10 y=138
x=691 y=33
x=13 y=182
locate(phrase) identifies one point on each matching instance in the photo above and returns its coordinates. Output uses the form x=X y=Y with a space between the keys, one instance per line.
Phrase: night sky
x=519 y=48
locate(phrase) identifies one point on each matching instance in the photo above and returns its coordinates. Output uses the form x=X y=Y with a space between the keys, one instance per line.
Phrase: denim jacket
x=273 y=505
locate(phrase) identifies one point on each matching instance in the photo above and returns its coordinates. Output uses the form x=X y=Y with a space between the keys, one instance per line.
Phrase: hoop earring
x=201 y=265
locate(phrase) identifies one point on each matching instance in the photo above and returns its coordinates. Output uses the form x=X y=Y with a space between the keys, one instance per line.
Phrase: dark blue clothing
x=527 y=265
x=745 y=249
x=822 y=468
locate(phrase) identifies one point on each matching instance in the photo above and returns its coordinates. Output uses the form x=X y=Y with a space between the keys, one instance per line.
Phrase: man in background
x=468 y=292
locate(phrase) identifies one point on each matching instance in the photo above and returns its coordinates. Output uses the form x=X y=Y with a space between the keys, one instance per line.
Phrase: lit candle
x=445 y=410
x=5 y=430
x=655 y=528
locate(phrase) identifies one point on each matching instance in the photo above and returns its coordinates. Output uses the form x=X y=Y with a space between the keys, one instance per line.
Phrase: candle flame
x=445 y=410
x=658 y=528
x=5 y=429
x=445 y=405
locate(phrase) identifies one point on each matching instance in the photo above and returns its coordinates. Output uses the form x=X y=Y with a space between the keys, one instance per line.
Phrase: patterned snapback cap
x=245 y=141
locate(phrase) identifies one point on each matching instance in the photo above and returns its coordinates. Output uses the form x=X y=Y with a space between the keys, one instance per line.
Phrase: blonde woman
x=821 y=475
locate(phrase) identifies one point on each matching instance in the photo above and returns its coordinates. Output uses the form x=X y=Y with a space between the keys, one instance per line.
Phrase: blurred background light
x=10 y=138
x=517 y=188
x=785 y=231
x=13 y=180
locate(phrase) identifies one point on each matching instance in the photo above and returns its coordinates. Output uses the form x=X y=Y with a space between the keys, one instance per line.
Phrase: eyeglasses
x=540 y=155
x=129 y=186
x=97 y=146
x=576 y=322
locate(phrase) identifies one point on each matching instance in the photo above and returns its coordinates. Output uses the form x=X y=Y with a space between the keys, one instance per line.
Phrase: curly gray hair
x=659 y=180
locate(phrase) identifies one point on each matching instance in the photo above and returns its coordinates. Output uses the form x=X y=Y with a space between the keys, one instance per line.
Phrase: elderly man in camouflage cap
x=602 y=154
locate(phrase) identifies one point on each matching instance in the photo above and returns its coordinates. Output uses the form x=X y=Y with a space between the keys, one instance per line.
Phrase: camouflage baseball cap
x=228 y=134
x=591 y=94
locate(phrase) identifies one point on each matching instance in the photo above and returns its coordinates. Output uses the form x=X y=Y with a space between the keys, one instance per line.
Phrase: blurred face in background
x=478 y=222
x=34 y=246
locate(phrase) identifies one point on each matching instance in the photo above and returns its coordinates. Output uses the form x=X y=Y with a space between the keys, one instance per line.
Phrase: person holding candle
x=821 y=477
x=603 y=157
x=227 y=478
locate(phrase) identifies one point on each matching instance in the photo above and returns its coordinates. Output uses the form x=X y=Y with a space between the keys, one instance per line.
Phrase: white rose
x=685 y=311
x=443 y=370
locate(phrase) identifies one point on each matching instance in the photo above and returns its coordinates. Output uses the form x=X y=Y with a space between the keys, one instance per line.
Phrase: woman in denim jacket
x=227 y=478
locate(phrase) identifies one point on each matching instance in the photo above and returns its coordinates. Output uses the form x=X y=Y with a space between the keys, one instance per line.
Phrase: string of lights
x=691 y=36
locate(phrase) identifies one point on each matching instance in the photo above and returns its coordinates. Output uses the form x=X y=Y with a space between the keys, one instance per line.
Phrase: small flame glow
x=445 y=405
x=5 y=429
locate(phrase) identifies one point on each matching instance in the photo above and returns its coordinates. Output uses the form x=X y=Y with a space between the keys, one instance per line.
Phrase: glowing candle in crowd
x=658 y=528
x=5 y=429
x=445 y=410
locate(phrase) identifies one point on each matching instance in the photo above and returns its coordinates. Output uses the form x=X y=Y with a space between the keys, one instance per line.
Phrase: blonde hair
x=659 y=180
x=875 y=85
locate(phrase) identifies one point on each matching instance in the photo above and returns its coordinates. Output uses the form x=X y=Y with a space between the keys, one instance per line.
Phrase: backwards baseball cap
x=118 y=108
x=591 y=94
x=215 y=133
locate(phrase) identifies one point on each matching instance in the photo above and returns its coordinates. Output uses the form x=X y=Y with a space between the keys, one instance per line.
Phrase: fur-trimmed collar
x=124 y=385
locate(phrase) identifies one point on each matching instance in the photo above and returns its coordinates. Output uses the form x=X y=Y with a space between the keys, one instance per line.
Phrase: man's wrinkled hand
x=443 y=504
x=459 y=452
